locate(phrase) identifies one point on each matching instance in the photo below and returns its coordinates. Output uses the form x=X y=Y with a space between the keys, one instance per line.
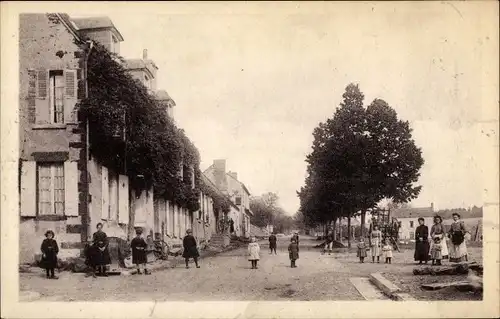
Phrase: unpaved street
x=224 y=277
x=228 y=276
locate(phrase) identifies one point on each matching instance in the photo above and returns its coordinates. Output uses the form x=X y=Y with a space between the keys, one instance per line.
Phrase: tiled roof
x=413 y=212
x=96 y=23
x=163 y=95
x=140 y=64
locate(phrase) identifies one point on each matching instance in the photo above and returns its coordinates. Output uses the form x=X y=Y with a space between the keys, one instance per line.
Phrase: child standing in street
x=387 y=251
x=49 y=254
x=436 y=250
x=362 y=250
x=139 y=257
x=293 y=251
x=253 y=252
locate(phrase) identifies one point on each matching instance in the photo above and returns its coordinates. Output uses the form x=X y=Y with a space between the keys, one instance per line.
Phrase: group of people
x=98 y=257
x=438 y=248
x=254 y=250
x=377 y=247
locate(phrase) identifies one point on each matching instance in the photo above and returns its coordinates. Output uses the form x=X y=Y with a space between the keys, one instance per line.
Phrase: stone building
x=62 y=187
x=55 y=188
x=238 y=193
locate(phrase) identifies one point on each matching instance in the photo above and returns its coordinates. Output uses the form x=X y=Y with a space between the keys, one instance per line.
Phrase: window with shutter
x=51 y=190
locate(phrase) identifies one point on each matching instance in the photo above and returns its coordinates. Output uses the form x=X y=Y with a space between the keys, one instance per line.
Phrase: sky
x=251 y=84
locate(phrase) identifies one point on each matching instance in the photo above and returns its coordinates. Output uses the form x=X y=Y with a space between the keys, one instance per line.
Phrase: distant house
x=238 y=193
x=408 y=217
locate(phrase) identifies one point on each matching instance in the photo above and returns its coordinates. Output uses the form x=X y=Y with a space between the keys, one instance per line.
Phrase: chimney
x=233 y=175
x=145 y=54
x=220 y=174
x=432 y=207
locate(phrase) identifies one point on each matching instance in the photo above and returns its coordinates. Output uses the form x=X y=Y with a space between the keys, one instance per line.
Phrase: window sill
x=52 y=126
x=50 y=217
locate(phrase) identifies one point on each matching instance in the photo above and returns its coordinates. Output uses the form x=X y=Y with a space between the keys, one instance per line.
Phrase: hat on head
x=189 y=231
x=456 y=214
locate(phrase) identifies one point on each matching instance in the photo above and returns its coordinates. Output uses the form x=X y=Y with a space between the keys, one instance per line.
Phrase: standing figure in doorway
x=100 y=250
x=422 y=246
x=190 y=248
x=273 y=243
x=375 y=240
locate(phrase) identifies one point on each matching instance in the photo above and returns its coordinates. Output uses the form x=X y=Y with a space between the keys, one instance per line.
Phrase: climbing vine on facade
x=130 y=130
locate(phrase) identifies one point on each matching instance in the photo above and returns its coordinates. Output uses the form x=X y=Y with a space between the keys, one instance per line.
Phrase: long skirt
x=361 y=252
x=458 y=253
x=99 y=257
x=444 y=246
x=375 y=250
x=422 y=251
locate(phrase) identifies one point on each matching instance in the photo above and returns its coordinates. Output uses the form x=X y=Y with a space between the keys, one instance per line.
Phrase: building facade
x=236 y=191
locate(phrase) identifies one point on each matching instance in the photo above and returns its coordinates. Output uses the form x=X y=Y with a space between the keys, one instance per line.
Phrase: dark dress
x=272 y=241
x=100 y=252
x=293 y=251
x=190 y=249
x=422 y=246
x=139 y=247
x=50 y=250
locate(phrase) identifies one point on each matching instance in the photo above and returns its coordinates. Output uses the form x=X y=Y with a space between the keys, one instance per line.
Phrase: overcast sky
x=250 y=88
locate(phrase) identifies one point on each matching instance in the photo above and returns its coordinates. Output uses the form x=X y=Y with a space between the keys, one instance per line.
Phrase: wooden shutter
x=123 y=200
x=70 y=95
x=71 y=194
x=42 y=106
x=28 y=188
x=105 y=193
x=31 y=114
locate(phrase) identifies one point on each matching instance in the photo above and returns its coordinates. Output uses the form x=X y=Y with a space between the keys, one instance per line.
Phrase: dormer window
x=115 y=45
x=147 y=82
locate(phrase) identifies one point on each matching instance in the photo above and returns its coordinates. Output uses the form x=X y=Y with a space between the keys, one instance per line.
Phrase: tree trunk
x=349 y=230
x=363 y=220
x=340 y=229
x=335 y=228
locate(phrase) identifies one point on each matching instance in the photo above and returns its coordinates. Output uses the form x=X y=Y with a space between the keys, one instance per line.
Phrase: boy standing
x=139 y=256
x=293 y=251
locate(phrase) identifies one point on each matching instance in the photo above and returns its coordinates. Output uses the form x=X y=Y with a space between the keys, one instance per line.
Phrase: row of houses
x=62 y=187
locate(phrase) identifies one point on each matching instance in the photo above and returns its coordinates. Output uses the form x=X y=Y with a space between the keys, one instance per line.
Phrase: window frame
x=52 y=96
x=52 y=166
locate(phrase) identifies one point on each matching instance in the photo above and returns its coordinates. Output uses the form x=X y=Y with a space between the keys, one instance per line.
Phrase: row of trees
x=359 y=156
x=267 y=211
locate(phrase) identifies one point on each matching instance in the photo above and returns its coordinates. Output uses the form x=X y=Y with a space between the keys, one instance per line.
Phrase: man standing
x=272 y=243
x=329 y=242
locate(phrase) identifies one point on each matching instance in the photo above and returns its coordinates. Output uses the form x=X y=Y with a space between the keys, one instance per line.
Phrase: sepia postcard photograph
x=250 y=159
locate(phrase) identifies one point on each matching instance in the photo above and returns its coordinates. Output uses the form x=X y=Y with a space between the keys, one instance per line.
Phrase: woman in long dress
x=375 y=240
x=422 y=246
x=458 y=249
x=100 y=253
x=437 y=231
x=190 y=248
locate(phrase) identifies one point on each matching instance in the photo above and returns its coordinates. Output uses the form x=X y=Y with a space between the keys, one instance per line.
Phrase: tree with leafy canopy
x=359 y=157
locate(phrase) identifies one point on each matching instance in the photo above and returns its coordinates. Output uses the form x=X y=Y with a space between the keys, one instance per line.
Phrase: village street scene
x=214 y=158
